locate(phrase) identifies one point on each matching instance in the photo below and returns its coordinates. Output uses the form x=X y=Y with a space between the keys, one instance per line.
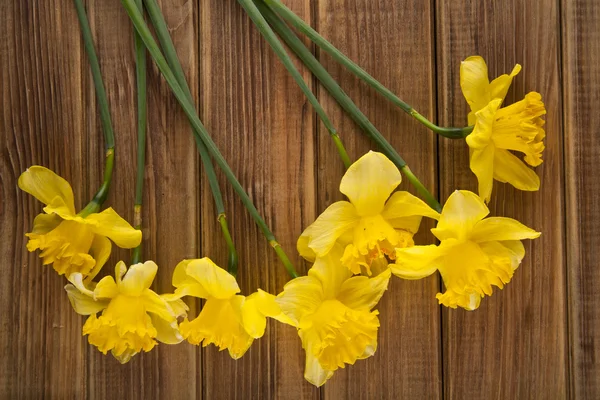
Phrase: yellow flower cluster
x=355 y=246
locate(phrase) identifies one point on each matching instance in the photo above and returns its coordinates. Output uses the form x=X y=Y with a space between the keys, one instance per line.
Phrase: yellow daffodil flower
x=498 y=130
x=133 y=316
x=332 y=312
x=70 y=242
x=475 y=252
x=228 y=320
x=372 y=224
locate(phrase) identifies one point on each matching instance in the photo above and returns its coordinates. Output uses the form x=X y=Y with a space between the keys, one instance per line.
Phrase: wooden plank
x=39 y=330
x=261 y=122
x=380 y=36
x=514 y=345
x=581 y=71
x=113 y=36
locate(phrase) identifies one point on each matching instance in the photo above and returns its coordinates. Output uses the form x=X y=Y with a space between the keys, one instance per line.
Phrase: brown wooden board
x=515 y=344
x=581 y=91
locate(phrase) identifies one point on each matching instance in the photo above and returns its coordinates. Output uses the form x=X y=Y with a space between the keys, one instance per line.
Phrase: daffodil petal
x=110 y=224
x=369 y=182
x=45 y=185
x=301 y=296
x=404 y=204
x=330 y=272
x=461 y=212
x=44 y=223
x=138 y=278
x=416 y=262
x=106 y=288
x=500 y=229
x=313 y=372
x=499 y=86
x=178 y=306
x=482 y=132
x=100 y=251
x=509 y=168
x=474 y=82
x=362 y=293
x=253 y=320
x=212 y=280
x=166 y=332
x=158 y=305
x=82 y=304
x=328 y=227
x=482 y=165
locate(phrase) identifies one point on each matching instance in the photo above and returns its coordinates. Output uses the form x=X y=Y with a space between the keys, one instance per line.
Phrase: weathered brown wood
x=515 y=344
x=581 y=88
x=38 y=329
x=260 y=120
x=381 y=36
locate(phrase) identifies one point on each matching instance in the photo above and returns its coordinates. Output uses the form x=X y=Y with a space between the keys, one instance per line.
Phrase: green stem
x=298 y=47
x=162 y=32
x=199 y=129
x=109 y=137
x=280 y=51
x=142 y=123
x=298 y=23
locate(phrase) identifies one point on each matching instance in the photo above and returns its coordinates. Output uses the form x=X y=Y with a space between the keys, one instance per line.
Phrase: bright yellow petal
x=509 y=168
x=499 y=229
x=178 y=306
x=481 y=136
x=253 y=320
x=45 y=185
x=313 y=372
x=369 y=182
x=507 y=252
x=83 y=304
x=306 y=252
x=265 y=304
x=138 y=278
x=166 y=332
x=44 y=223
x=402 y=205
x=100 y=251
x=158 y=305
x=205 y=279
x=108 y=223
x=300 y=297
x=474 y=82
x=416 y=262
x=499 y=86
x=328 y=227
x=462 y=211
x=362 y=293
x=330 y=272
x=482 y=165
x=106 y=288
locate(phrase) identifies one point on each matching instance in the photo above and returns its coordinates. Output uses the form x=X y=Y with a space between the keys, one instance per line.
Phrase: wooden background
x=539 y=338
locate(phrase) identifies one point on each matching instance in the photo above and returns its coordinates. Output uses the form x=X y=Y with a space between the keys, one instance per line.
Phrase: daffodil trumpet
x=474 y=254
x=284 y=12
x=298 y=47
x=199 y=130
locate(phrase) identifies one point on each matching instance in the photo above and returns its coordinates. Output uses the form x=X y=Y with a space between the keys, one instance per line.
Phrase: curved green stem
x=279 y=50
x=298 y=23
x=142 y=123
x=298 y=47
x=162 y=32
x=199 y=129
x=109 y=137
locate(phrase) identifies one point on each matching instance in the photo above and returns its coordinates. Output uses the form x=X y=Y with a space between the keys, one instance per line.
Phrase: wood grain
x=581 y=73
x=380 y=36
x=260 y=120
x=515 y=344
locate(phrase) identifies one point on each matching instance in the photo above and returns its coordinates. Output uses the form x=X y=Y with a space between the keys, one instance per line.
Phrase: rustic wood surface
x=538 y=338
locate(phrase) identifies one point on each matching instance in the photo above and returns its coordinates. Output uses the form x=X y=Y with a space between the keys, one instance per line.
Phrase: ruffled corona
x=498 y=131
x=475 y=253
x=72 y=243
x=333 y=314
x=227 y=320
x=373 y=223
x=133 y=316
